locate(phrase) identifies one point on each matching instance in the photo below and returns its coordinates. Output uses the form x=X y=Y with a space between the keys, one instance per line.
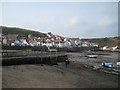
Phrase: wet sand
x=75 y=75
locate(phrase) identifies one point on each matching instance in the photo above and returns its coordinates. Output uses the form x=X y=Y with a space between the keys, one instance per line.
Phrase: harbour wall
x=50 y=59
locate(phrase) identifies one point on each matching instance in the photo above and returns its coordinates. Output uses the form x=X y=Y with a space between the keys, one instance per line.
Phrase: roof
x=57 y=41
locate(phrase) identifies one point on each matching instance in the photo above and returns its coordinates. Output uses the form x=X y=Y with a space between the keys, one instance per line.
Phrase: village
x=50 y=41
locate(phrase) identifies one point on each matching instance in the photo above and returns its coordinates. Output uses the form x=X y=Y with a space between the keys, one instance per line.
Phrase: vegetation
x=25 y=32
x=111 y=41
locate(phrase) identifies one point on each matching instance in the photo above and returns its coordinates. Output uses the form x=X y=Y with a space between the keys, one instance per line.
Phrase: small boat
x=92 y=56
x=118 y=63
x=107 y=64
x=89 y=56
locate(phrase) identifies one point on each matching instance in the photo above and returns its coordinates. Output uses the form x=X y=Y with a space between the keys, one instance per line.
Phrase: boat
x=107 y=64
x=92 y=56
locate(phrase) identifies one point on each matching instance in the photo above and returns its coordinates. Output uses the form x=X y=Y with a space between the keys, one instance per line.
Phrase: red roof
x=57 y=41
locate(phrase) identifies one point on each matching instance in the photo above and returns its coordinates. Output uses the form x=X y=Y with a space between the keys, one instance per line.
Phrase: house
x=30 y=40
x=49 y=35
x=58 y=43
x=67 y=44
x=75 y=42
x=17 y=42
x=93 y=45
x=105 y=48
x=116 y=48
x=5 y=41
x=85 y=44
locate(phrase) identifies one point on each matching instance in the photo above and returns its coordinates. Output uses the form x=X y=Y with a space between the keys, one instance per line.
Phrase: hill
x=14 y=30
x=110 y=41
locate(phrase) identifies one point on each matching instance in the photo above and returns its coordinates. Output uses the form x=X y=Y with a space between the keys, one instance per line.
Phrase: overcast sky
x=69 y=19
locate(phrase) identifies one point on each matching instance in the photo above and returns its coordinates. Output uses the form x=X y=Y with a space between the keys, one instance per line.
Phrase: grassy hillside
x=13 y=31
x=111 y=41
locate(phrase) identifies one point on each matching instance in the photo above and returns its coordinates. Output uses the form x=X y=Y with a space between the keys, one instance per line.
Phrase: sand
x=75 y=75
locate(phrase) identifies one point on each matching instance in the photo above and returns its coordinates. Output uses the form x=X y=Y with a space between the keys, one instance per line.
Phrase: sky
x=69 y=19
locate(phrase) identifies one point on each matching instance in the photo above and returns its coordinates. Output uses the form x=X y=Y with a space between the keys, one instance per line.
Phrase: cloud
x=72 y=26
x=101 y=27
x=74 y=21
x=106 y=22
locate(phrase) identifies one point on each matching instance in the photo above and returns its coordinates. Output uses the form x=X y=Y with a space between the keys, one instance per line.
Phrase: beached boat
x=107 y=64
x=92 y=56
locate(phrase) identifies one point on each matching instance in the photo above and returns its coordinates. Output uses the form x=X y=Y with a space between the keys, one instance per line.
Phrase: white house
x=104 y=48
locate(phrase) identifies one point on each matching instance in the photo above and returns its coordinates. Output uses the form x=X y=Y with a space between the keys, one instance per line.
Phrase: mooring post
x=41 y=61
x=50 y=58
x=56 y=56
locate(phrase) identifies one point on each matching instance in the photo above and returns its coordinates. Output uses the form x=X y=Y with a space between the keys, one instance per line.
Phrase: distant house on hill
x=49 y=35
x=74 y=42
x=105 y=48
x=116 y=48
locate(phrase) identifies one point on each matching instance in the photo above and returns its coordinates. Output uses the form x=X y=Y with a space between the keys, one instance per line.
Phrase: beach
x=75 y=75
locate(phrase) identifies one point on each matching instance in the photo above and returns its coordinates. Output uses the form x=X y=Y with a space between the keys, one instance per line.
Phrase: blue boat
x=107 y=64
